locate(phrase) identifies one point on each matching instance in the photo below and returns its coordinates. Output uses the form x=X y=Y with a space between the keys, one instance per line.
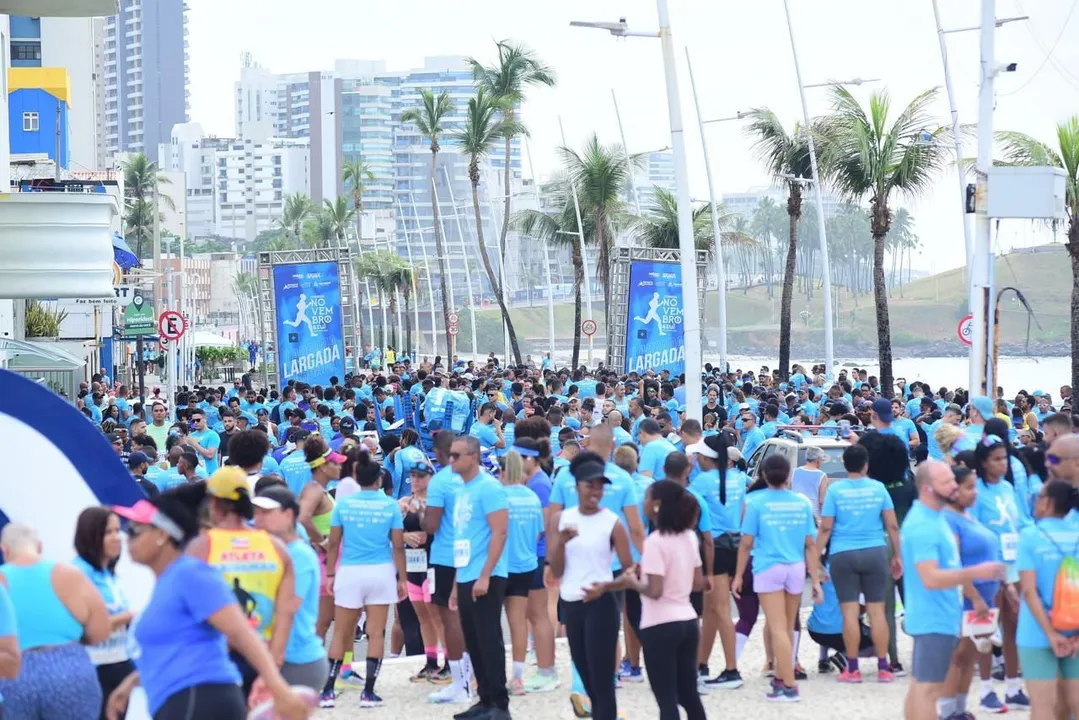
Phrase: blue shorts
x=1042 y=665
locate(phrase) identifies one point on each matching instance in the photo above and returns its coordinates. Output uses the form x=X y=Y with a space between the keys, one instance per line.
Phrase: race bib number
x=431 y=580
x=113 y=650
x=1009 y=547
x=462 y=553
x=415 y=560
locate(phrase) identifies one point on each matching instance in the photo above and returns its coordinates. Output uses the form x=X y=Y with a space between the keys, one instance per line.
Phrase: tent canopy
x=203 y=338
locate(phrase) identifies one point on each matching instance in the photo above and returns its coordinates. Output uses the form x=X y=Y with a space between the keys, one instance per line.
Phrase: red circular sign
x=163 y=342
x=589 y=327
x=453 y=330
x=171 y=325
x=965 y=330
x=453 y=318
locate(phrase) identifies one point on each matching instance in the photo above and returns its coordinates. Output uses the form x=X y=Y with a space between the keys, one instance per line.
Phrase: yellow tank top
x=322 y=522
x=253 y=569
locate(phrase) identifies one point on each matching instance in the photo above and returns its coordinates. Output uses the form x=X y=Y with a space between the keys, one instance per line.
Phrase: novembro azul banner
x=310 y=336
x=655 y=339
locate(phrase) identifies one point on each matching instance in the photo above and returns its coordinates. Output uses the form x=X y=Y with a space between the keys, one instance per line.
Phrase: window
x=30 y=50
x=30 y=122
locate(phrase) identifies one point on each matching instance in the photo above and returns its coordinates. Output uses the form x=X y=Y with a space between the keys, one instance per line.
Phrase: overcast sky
x=741 y=57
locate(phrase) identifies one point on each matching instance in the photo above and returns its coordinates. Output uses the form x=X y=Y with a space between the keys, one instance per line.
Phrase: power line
x=1049 y=53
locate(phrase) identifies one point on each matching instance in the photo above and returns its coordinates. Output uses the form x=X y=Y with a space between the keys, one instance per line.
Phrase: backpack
x=1065 y=613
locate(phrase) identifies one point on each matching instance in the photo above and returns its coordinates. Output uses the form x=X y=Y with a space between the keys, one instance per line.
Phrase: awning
x=203 y=338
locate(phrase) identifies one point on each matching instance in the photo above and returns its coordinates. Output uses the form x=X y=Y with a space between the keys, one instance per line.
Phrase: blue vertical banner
x=655 y=336
x=310 y=335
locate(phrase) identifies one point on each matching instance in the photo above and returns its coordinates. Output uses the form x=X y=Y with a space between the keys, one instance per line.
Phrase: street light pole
x=546 y=261
x=584 y=258
x=464 y=258
x=625 y=150
x=721 y=272
x=829 y=359
x=430 y=285
x=415 y=352
x=981 y=269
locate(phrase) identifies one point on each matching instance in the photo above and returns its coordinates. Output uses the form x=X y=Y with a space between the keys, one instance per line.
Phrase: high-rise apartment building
x=145 y=75
x=657 y=171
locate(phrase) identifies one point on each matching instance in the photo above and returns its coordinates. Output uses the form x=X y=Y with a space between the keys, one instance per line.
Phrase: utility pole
x=981 y=271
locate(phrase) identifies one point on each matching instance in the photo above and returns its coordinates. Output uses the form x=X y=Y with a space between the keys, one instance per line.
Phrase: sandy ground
x=822 y=696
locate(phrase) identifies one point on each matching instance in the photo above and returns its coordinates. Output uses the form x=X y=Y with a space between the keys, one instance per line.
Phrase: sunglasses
x=457 y=455
x=133 y=529
x=1054 y=459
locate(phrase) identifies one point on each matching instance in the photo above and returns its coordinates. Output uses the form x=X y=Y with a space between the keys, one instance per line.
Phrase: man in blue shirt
x=487 y=430
x=933 y=576
x=654 y=450
x=204 y=441
x=752 y=437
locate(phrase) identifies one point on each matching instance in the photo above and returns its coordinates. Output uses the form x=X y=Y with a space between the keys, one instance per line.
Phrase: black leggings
x=670 y=654
x=205 y=702
x=592 y=631
x=110 y=677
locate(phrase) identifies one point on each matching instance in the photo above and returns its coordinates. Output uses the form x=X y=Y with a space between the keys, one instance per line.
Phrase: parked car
x=793 y=446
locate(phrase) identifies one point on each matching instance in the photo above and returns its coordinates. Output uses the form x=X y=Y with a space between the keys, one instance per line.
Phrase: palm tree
x=559 y=230
x=428 y=119
x=865 y=156
x=297 y=207
x=485 y=124
x=338 y=215
x=902 y=239
x=403 y=281
x=600 y=173
x=1020 y=149
x=517 y=69
x=355 y=174
x=786 y=157
x=319 y=230
x=768 y=223
x=658 y=227
x=141 y=179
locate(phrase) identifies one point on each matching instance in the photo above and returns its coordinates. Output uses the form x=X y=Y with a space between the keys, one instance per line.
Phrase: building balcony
x=60 y=8
x=56 y=245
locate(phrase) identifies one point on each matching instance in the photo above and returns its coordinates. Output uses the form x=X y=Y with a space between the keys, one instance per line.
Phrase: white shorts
x=358 y=586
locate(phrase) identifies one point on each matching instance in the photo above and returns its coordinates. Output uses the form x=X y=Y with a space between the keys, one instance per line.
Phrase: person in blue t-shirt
x=480 y=520
x=654 y=450
x=1047 y=654
x=856 y=515
x=367 y=533
x=204 y=441
x=488 y=429
x=934 y=574
x=183 y=635
x=752 y=437
x=779 y=529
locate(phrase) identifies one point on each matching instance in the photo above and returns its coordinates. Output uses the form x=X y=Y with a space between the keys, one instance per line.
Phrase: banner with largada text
x=655 y=339
x=310 y=335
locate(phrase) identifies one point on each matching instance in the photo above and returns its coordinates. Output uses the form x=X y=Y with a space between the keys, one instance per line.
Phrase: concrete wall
x=69 y=43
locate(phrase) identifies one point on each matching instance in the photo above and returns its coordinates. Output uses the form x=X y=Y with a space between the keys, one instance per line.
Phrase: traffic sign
x=453 y=330
x=965 y=331
x=453 y=318
x=589 y=327
x=171 y=325
x=163 y=342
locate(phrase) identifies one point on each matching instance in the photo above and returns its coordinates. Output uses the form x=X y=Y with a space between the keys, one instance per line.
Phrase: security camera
x=1011 y=67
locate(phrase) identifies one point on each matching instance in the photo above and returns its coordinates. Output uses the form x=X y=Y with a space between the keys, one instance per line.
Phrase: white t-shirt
x=590 y=554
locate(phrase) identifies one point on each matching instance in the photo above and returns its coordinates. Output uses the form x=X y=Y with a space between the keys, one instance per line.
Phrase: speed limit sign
x=965 y=331
x=589 y=327
x=163 y=342
x=453 y=318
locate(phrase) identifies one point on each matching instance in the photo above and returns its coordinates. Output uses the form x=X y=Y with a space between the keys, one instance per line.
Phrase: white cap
x=744 y=406
x=700 y=448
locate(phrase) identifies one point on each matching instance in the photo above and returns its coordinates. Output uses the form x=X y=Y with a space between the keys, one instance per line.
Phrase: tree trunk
x=408 y=325
x=497 y=286
x=359 y=293
x=392 y=315
x=794 y=211
x=442 y=270
x=578 y=281
x=901 y=251
x=1073 y=251
x=880 y=297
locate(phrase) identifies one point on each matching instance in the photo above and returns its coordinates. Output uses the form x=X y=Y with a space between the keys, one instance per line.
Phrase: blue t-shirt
x=8 y=626
x=304 y=646
x=621 y=437
x=540 y=484
x=751 y=440
x=525 y=528
x=1042 y=548
x=997 y=510
x=403 y=461
x=295 y=471
x=827 y=616
x=620 y=494
x=653 y=456
x=977 y=544
x=486 y=434
x=926 y=536
x=366 y=519
x=704 y=518
x=208 y=439
x=932 y=446
x=856 y=506
x=441 y=493
x=780 y=521
x=175 y=647
x=472 y=532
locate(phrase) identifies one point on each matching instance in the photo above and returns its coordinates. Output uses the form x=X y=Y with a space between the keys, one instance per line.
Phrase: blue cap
x=983 y=405
x=883 y=408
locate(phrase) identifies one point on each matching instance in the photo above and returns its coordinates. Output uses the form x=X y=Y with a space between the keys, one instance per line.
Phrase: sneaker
x=838 y=661
x=540 y=683
x=370 y=700
x=624 y=667
x=800 y=673
x=780 y=693
x=633 y=675
x=348 y=677
x=769 y=671
x=1019 y=701
x=898 y=670
x=885 y=676
x=327 y=699
x=516 y=686
x=824 y=667
x=582 y=708
x=992 y=704
x=441 y=676
x=423 y=675
x=476 y=711
x=450 y=694
x=728 y=680
x=850 y=677
x=998 y=673
x=702 y=685
x=530 y=657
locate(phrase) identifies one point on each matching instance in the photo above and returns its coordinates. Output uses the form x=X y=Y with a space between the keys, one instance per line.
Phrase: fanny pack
x=728 y=542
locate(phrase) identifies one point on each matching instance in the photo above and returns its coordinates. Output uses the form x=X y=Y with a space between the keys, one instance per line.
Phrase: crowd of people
x=415 y=507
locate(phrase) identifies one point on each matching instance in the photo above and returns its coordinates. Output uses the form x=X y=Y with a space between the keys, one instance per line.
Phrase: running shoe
x=582 y=708
x=516 y=686
x=824 y=667
x=838 y=661
x=702 y=685
x=327 y=699
x=479 y=710
x=370 y=700
x=898 y=670
x=350 y=677
x=848 y=676
x=1019 y=701
x=885 y=676
x=423 y=675
x=441 y=676
x=998 y=673
x=769 y=670
x=780 y=693
x=728 y=680
x=540 y=683
x=624 y=667
x=632 y=675
x=992 y=704
x=800 y=673
x=454 y=694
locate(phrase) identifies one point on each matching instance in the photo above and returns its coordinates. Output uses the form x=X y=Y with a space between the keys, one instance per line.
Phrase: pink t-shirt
x=674 y=557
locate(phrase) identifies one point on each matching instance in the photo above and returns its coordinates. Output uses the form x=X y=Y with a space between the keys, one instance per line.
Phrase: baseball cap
x=137 y=458
x=983 y=405
x=591 y=470
x=276 y=497
x=147 y=513
x=744 y=406
x=883 y=408
x=423 y=469
x=328 y=456
x=112 y=437
x=228 y=483
x=348 y=425
x=710 y=447
x=734 y=454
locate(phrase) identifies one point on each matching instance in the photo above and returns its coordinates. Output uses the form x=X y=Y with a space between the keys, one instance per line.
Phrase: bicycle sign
x=965 y=331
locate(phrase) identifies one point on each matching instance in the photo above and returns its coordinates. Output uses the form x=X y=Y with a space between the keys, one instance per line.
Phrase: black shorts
x=696 y=599
x=445 y=576
x=519 y=584
x=725 y=558
x=537 y=574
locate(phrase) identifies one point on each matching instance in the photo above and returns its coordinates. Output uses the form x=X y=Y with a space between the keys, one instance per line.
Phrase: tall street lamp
x=691 y=316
